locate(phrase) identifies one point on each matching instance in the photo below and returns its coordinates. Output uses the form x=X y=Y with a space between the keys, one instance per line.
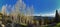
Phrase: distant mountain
x=41 y=17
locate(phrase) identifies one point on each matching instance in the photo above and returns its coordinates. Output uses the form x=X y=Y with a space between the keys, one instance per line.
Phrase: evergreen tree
x=56 y=17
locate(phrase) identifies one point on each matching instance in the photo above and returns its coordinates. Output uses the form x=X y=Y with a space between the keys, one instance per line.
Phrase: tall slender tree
x=56 y=17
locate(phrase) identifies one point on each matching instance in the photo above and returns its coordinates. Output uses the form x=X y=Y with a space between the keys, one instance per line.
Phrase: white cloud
x=46 y=14
x=52 y=14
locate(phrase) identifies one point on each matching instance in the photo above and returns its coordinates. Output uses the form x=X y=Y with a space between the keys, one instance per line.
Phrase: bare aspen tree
x=29 y=14
x=32 y=11
x=19 y=9
x=12 y=16
x=4 y=9
x=4 y=13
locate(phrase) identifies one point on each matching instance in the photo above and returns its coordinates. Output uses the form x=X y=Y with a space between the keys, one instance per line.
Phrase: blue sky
x=40 y=6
